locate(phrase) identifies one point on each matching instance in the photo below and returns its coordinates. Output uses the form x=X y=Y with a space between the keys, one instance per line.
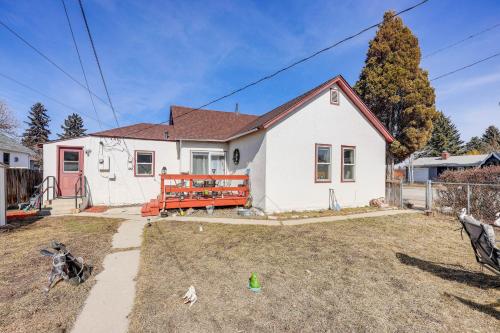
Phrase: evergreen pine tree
x=38 y=129
x=475 y=146
x=445 y=137
x=72 y=127
x=397 y=90
x=491 y=139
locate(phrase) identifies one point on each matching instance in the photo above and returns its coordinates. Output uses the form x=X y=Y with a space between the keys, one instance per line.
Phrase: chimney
x=237 y=108
x=445 y=155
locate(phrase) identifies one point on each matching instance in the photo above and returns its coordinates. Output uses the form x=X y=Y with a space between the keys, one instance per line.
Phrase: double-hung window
x=323 y=163
x=348 y=163
x=208 y=163
x=144 y=163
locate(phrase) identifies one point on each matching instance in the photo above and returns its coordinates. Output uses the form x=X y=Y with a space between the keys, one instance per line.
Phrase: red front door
x=70 y=169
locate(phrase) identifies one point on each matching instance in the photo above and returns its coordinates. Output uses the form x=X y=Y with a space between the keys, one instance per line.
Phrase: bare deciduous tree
x=8 y=123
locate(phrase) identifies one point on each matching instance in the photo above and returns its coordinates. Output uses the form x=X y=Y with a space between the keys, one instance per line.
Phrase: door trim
x=58 y=148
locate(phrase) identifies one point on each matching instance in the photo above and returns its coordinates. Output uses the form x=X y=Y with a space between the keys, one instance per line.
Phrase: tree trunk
x=389 y=165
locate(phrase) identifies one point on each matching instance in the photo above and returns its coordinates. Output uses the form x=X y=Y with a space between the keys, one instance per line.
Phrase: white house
x=323 y=139
x=14 y=154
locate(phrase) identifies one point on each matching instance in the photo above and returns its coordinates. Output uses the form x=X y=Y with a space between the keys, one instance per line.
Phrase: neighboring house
x=430 y=168
x=325 y=138
x=14 y=154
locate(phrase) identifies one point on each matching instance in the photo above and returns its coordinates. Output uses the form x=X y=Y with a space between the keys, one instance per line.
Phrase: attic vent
x=334 y=96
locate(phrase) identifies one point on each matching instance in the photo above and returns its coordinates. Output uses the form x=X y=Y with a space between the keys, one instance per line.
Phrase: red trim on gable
x=346 y=88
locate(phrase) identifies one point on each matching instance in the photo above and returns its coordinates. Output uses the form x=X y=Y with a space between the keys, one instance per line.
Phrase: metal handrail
x=45 y=189
x=80 y=188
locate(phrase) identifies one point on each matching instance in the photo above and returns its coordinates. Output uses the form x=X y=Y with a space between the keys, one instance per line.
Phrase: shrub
x=484 y=199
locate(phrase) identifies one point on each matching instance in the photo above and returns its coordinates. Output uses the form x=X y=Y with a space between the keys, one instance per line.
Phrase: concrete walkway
x=269 y=222
x=112 y=297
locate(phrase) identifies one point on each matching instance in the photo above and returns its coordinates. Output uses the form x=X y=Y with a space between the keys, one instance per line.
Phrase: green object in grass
x=253 y=282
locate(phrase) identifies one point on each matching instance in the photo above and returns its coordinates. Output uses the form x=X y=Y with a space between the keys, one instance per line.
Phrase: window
x=348 y=164
x=323 y=163
x=144 y=163
x=334 y=96
x=6 y=158
x=204 y=163
x=70 y=161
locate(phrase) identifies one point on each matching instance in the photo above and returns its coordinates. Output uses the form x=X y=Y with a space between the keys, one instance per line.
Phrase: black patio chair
x=482 y=239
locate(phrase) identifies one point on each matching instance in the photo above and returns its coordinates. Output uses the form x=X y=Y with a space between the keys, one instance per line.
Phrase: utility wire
x=465 y=67
x=461 y=41
x=47 y=96
x=81 y=64
x=52 y=62
x=106 y=86
x=98 y=63
x=267 y=77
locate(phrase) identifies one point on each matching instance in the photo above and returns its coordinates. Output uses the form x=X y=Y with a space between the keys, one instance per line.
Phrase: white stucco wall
x=125 y=188
x=3 y=198
x=252 y=149
x=23 y=159
x=290 y=157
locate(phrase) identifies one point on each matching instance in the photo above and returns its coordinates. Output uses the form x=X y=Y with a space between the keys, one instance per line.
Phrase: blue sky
x=158 y=53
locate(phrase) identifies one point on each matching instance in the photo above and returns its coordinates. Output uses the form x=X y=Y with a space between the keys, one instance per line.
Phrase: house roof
x=211 y=125
x=193 y=124
x=283 y=110
x=144 y=131
x=10 y=144
x=452 y=161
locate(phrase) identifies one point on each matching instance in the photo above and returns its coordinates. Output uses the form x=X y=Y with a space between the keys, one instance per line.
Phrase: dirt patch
x=397 y=273
x=24 y=307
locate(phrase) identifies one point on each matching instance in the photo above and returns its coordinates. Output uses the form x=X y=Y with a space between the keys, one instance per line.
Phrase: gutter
x=242 y=134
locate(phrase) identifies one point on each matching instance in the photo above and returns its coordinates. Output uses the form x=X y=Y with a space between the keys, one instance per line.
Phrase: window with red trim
x=323 y=163
x=144 y=163
x=348 y=164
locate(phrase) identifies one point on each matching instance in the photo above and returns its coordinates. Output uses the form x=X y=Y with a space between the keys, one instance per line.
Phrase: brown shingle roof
x=206 y=124
x=143 y=131
x=211 y=125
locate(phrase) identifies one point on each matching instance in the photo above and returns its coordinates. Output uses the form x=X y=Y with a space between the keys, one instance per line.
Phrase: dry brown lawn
x=325 y=212
x=401 y=273
x=24 y=306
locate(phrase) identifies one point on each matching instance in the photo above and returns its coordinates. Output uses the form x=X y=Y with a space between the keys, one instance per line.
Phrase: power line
x=81 y=64
x=98 y=63
x=267 y=77
x=465 y=67
x=461 y=41
x=52 y=62
x=47 y=96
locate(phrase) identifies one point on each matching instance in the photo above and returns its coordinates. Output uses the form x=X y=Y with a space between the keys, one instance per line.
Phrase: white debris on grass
x=190 y=296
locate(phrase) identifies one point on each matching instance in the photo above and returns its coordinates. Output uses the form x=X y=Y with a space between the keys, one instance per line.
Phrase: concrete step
x=61 y=206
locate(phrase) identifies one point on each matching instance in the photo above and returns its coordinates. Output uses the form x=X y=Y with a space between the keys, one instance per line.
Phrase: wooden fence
x=394 y=193
x=21 y=184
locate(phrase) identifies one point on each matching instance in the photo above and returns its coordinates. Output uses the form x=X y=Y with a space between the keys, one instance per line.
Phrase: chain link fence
x=480 y=200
